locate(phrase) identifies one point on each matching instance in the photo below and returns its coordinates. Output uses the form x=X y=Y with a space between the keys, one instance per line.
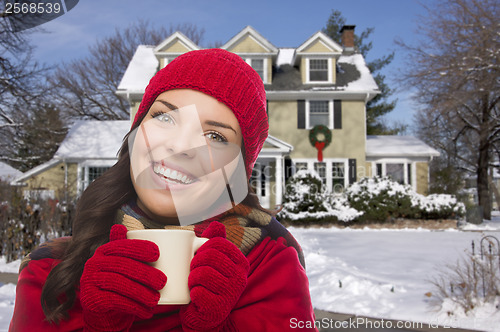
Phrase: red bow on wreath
x=323 y=141
x=320 y=146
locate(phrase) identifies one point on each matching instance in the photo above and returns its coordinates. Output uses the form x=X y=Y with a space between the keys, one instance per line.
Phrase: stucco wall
x=54 y=179
x=422 y=178
x=348 y=142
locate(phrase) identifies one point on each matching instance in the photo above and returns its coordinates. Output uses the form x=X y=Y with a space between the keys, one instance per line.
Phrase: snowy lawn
x=377 y=273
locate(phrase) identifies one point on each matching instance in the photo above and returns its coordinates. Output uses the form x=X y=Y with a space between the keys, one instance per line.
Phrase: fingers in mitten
x=226 y=248
x=214 y=281
x=118 y=232
x=135 y=291
x=217 y=260
x=119 y=303
x=137 y=271
x=141 y=250
x=215 y=229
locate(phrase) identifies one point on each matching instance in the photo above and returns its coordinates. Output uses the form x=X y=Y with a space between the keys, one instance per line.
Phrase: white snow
x=8 y=172
x=91 y=139
x=383 y=273
x=397 y=146
x=140 y=70
x=286 y=56
x=366 y=81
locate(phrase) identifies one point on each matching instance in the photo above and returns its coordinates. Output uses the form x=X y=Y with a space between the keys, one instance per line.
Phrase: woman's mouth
x=172 y=176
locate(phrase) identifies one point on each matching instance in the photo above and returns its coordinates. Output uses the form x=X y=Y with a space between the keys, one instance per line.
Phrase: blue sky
x=283 y=23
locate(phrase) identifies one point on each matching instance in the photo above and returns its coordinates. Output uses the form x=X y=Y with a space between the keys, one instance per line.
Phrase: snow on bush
x=373 y=199
x=381 y=198
x=305 y=200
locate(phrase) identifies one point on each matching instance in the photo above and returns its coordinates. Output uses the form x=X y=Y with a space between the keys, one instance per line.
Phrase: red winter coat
x=277 y=294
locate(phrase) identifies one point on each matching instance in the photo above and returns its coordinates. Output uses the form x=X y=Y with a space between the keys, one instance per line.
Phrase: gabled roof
x=141 y=68
x=8 y=172
x=273 y=144
x=250 y=31
x=91 y=139
x=392 y=146
x=34 y=171
x=322 y=38
x=174 y=38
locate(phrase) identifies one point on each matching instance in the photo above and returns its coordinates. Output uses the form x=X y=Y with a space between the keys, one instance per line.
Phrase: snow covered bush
x=381 y=199
x=370 y=199
x=306 y=200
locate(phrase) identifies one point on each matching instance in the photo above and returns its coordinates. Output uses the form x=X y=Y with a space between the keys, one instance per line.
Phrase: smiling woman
x=185 y=165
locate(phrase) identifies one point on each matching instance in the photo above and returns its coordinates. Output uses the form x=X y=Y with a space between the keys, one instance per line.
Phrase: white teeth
x=171 y=175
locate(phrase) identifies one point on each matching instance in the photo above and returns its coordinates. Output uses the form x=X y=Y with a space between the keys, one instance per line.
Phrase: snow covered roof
x=286 y=56
x=365 y=82
x=141 y=68
x=34 y=171
x=8 y=172
x=398 y=146
x=93 y=140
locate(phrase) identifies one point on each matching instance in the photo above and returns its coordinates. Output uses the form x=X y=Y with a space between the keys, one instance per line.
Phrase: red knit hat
x=226 y=77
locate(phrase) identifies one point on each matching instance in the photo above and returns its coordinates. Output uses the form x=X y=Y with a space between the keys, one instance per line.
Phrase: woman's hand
x=117 y=284
x=218 y=277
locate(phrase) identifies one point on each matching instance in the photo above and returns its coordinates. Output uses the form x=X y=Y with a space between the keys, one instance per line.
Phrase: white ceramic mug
x=177 y=248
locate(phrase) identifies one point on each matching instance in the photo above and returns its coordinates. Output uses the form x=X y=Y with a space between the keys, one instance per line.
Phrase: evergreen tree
x=380 y=105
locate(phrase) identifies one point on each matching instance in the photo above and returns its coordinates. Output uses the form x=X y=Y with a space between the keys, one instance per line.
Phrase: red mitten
x=217 y=279
x=117 y=284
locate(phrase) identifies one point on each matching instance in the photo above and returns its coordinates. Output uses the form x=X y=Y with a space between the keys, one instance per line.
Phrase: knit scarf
x=245 y=226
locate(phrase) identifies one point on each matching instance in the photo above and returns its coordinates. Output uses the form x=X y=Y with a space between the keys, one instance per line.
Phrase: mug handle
x=198 y=242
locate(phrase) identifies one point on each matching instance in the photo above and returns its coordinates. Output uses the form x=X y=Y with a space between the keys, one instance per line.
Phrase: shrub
x=24 y=224
x=472 y=281
x=306 y=201
x=381 y=199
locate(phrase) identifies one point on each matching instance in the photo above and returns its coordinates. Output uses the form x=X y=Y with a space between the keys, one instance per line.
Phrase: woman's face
x=185 y=146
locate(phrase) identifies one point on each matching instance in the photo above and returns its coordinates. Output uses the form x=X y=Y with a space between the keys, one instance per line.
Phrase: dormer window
x=259 y=65
x=318 y=71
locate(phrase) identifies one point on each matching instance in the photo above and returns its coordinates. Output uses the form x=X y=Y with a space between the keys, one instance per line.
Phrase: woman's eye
x=163 y=117
x=216 y=137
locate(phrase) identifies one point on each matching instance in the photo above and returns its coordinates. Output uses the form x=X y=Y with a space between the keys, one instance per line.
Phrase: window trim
x=406 y=162
x=82 y=172
x=329 y=68
x=248 y=59
x=330 y=112
x=328 y=161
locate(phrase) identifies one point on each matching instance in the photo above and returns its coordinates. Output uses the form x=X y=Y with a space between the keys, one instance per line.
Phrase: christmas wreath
x=320 y=143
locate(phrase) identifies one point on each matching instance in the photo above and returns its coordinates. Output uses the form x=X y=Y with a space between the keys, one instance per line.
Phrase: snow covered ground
x=377 y=273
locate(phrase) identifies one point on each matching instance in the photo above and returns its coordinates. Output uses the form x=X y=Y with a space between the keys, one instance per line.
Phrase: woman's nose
x=185 y=142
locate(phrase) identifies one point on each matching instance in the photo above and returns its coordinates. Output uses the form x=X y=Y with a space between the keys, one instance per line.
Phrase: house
x=315 y=92
x=8 y=172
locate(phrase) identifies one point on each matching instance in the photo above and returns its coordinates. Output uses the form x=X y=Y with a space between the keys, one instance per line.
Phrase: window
x=88 y=173
x=395 y=172
x=333 y=172
x=258 y=66
x=95 y=172
x=300 y=166
x=319 y=113
x=318 y=70
x=320 y=168
x=401 y=171
x=338 y=177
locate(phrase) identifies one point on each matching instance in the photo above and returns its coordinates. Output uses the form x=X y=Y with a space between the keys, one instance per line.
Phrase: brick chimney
x=347 y=33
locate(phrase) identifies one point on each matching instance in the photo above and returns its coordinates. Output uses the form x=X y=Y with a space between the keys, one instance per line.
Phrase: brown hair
x=95 y=214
